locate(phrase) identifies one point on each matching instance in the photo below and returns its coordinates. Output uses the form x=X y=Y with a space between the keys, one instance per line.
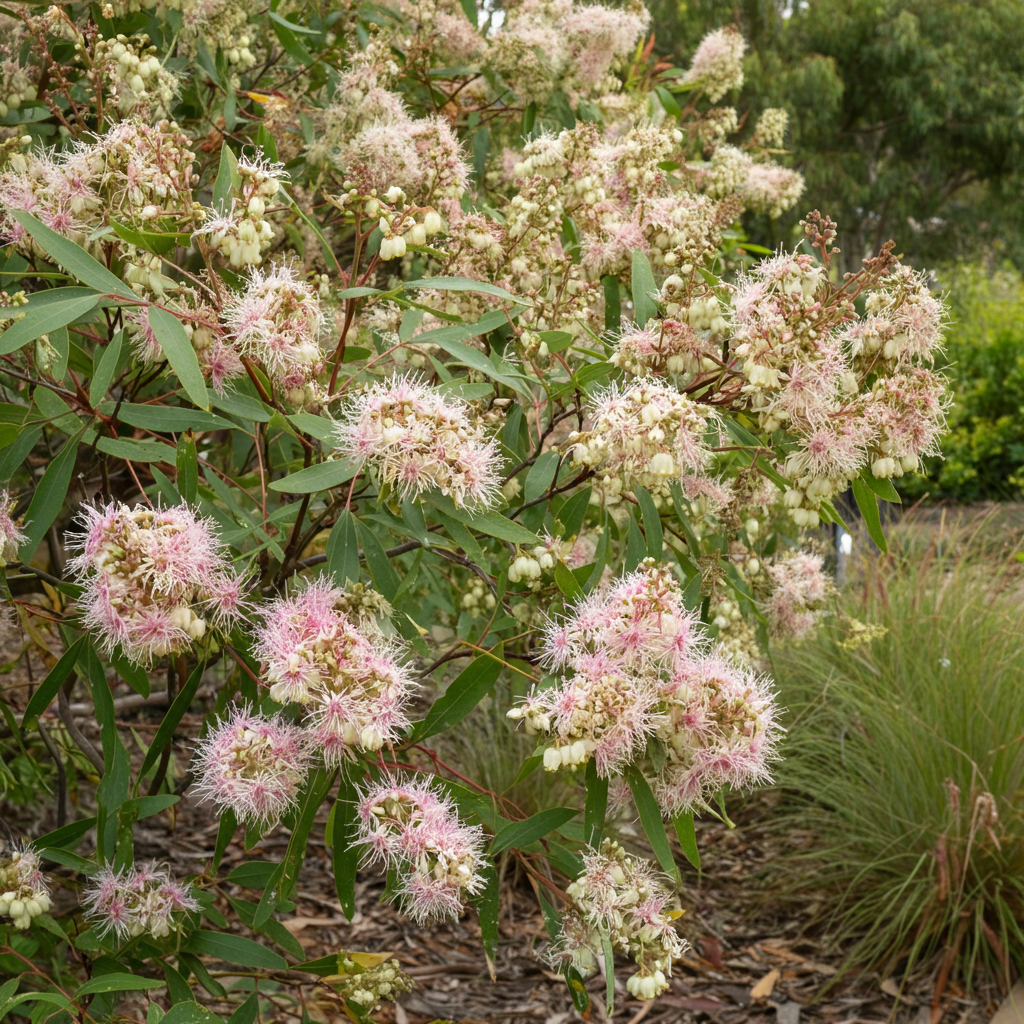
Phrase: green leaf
x=115 y=983
x=246 y=1013
x=573 y=512
x=650 y=819
x=66 y=835
x=55 y=679
x=612 y=303
x=188 y=467
x=132 y=450
x=320 y=781
x=73 y=258
x=105 y=367
x=321 y=477
x=343 y=549
x=556 y=341
x=190 y=1012
x=567 y=583
x=160 y=242
x=868 y=505
x=541 y=476
x=49 y=497
x=253 y=874
x=577 y=990
x=488 y=910
x=687 y=835
x=492 y=523
x=172 y=419
x=882 y=486
x=285 y=32
x=384 y=577
x=234 y=949
x=470 y=687
x=636 y=546
x=462 y=284
x=643 y=286
x=172 y=719
x=595 y=807
x=227 y=179
x=652 y=523
x=609 y=972
x=62 y=306
x=225 y=833
x=168 y=330
x=521 y=833
x=345 y=853
x=668 y=101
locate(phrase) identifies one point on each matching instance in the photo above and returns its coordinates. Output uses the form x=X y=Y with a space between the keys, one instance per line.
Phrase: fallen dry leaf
x=763 y=989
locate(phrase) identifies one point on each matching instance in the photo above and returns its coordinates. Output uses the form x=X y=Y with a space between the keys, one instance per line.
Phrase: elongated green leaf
x=319 y=782
x=868 y=505
x=131 y=450
x=612 y=303
x=541 y=475
x=383 y=574
x=116 y=983
x=321 y=477
x=49 y=497
x=171 y=720
x=577 y=988
x=253 y=874
x=462 y=284
x=609 y=973
x=189 y=1012
x=687 y=835
x=471 y=685
x=567 y=583
x=492 y=523
x=66 y=835
x=650 y=819
x=188 y=466
x=644 y=307
x=595 y=807
x=171 y=419
x=652 y=522
x=73 y=258
x=521 y=833
x=488 y=909
x=234 y=949
x=881 y=486
x=246 y=1013
x=57 y=676
x=105 y=366
x=343 y=549
x=43 y=318
x=159 y=242
x=227 y=179
x=180 y=354
x=345 y=853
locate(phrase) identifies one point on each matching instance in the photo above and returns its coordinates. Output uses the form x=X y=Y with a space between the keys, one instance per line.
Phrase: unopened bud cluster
x=647 y=434
x=23 y=892
x=417 y=440
x=367 y=986
x=137 y=901
x=413 y=830
x=154 y=579
x=621 y=897
x=242 y=234
x=530 y=564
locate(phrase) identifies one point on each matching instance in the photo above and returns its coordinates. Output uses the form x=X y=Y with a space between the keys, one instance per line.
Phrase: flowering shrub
x=429 y=354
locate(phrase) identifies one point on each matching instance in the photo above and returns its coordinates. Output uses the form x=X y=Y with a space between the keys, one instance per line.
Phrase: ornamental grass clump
x=905 y=762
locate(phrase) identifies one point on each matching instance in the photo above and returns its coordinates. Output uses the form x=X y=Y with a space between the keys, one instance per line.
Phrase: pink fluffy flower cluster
x=137 y=901
x=252 y=765
x=153 y=579
x=349 y=680
x=413 y=830
x=799 y=589
x=642 y=686
x=11 y=537
x=418 y=440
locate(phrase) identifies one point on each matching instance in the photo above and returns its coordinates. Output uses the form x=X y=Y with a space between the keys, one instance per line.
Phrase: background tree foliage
x=907 y=118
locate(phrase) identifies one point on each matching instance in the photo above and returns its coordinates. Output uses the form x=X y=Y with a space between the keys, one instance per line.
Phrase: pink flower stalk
x=412 y=829
x=799 y=590
x=11 y=536
x=253 y=765
x=277 y=321
x=417 y=440
x=717 y=65
x=153 y=579
x=348 y=678
x=137 y=901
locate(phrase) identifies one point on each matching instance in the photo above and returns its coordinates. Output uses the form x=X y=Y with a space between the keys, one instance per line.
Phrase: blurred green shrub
x=905 y=762
x=984 y=450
